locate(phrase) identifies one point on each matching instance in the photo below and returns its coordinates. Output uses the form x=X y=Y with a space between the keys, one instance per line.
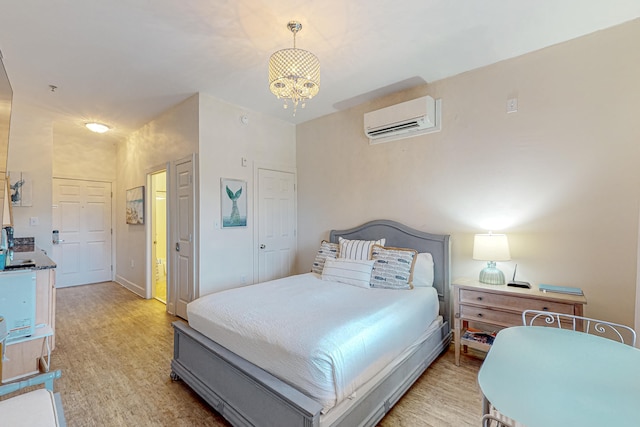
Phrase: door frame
x=149 y=263
x=257 y=166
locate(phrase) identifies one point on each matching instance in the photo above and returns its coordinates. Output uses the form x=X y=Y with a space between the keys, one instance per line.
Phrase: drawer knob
x=479 y=314
x=479 y=298
x=545 y=308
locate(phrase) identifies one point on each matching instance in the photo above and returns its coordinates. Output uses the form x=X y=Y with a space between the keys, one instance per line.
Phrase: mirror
x=6 y=96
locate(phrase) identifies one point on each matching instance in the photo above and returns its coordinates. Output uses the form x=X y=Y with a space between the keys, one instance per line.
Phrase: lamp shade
x=491 y=247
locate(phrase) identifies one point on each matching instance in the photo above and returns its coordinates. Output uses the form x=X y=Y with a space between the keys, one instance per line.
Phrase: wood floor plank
x=114 y=350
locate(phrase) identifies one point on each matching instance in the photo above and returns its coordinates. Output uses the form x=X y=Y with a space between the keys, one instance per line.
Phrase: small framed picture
x=233 y=202
x=20 y=184
x=135 y=205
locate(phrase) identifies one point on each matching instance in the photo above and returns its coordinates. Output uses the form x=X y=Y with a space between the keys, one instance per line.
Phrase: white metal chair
x=37 y=408
x=622 y=333
x=490 y=420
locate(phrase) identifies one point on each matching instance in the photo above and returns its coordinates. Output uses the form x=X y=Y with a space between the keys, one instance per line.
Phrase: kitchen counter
x=34 y=260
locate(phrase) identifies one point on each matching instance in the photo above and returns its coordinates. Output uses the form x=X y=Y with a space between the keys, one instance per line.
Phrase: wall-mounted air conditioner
x=412 y=118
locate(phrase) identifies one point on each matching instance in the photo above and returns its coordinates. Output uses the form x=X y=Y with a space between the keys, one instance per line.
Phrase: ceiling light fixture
x=294 y=74
x=97 y=127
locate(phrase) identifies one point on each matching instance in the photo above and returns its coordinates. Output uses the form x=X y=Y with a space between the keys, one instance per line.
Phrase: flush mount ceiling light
x=294 y=74
x=97 y=127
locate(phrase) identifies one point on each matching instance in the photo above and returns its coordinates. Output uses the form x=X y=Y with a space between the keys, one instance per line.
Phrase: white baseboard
x=136 y=289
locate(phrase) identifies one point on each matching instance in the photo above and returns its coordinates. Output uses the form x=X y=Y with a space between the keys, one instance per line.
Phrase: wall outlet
x=243 y=278
x=34 y=221
x=133 y=264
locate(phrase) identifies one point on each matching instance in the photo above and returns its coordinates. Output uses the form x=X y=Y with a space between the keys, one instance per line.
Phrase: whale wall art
x=233 y=202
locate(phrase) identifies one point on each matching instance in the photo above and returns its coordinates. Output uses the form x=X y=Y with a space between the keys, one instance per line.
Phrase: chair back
x=616 y=331
x=489 y=420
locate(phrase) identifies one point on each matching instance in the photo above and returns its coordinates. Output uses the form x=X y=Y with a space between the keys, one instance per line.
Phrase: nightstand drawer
x=503 y=318
x=513 y=303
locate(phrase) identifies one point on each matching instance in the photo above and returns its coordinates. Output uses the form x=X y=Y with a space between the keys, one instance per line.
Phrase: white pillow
x=349 y=271
x=423 y=270
x=357 y=249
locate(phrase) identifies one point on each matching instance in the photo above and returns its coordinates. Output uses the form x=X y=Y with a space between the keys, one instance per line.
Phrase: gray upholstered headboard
x=401 y=236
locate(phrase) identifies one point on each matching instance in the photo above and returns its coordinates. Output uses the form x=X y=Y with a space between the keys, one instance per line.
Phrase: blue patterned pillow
x=393 y=267
x=327 y=250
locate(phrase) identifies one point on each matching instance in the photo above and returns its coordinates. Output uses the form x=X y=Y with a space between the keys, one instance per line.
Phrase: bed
x=248 y=395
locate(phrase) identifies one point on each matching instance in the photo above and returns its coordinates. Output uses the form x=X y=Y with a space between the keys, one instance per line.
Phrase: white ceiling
x=123 y=62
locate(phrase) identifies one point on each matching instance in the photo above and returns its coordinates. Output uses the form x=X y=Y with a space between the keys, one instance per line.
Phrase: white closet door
x=277 y=224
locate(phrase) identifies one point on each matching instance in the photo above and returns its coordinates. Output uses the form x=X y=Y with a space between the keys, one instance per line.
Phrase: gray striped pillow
x=357 y=249
x=393 y=267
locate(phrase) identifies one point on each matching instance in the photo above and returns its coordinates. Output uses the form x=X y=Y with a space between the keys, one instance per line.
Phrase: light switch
x=33 y=221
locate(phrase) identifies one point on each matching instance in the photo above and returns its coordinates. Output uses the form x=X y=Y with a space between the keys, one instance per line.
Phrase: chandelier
x=294 y=74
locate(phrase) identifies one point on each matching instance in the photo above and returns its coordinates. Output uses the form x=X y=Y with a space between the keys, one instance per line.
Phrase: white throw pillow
x=349 y=271
x=357 y=249
x=423 y=270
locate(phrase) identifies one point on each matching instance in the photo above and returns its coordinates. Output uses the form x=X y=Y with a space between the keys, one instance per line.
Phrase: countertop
x=40 y=260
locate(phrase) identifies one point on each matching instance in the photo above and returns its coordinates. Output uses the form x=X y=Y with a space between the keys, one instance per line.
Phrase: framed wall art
x=135 y=205
x=20 y=185
x=233 y=202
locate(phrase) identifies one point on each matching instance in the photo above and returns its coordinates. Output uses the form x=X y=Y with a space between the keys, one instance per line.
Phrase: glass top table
x=545 y=377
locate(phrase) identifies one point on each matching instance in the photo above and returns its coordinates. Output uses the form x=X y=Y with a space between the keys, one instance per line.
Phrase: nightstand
x=496 y=307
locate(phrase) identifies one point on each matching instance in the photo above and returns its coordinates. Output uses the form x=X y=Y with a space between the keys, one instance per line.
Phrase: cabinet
x=24 y=356
x=494 y=307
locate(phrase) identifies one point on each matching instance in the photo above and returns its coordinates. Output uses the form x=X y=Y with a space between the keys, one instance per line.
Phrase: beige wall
x=227 y=255
x=211 y=128
x=171 y=136
x=44 y=150
x=84 y=155
x=30 y=150
x=561 y=176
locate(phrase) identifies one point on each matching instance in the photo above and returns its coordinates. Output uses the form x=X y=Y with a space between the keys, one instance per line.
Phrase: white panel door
x=82 y=216
x=183 y=246
x=276 y=223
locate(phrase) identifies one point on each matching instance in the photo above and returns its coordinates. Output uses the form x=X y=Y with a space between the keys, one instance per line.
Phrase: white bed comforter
x=324 y=338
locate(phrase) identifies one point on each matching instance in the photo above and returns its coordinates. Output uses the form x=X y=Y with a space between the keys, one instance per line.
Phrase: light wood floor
x=114 y=350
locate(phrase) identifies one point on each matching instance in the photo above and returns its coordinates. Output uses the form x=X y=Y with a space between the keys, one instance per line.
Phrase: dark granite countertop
x=33 y=260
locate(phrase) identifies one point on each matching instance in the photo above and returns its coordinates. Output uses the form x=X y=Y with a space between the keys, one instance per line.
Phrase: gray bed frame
x=246 y=395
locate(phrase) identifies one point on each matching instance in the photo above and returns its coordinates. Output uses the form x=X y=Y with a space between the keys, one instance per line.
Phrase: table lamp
x=491 y=248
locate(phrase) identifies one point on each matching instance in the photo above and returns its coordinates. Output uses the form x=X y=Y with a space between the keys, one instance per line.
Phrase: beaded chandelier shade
x=294 y=74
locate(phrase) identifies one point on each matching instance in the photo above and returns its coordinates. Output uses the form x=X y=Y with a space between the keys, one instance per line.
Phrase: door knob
x=262 y=246
x=177 y=246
